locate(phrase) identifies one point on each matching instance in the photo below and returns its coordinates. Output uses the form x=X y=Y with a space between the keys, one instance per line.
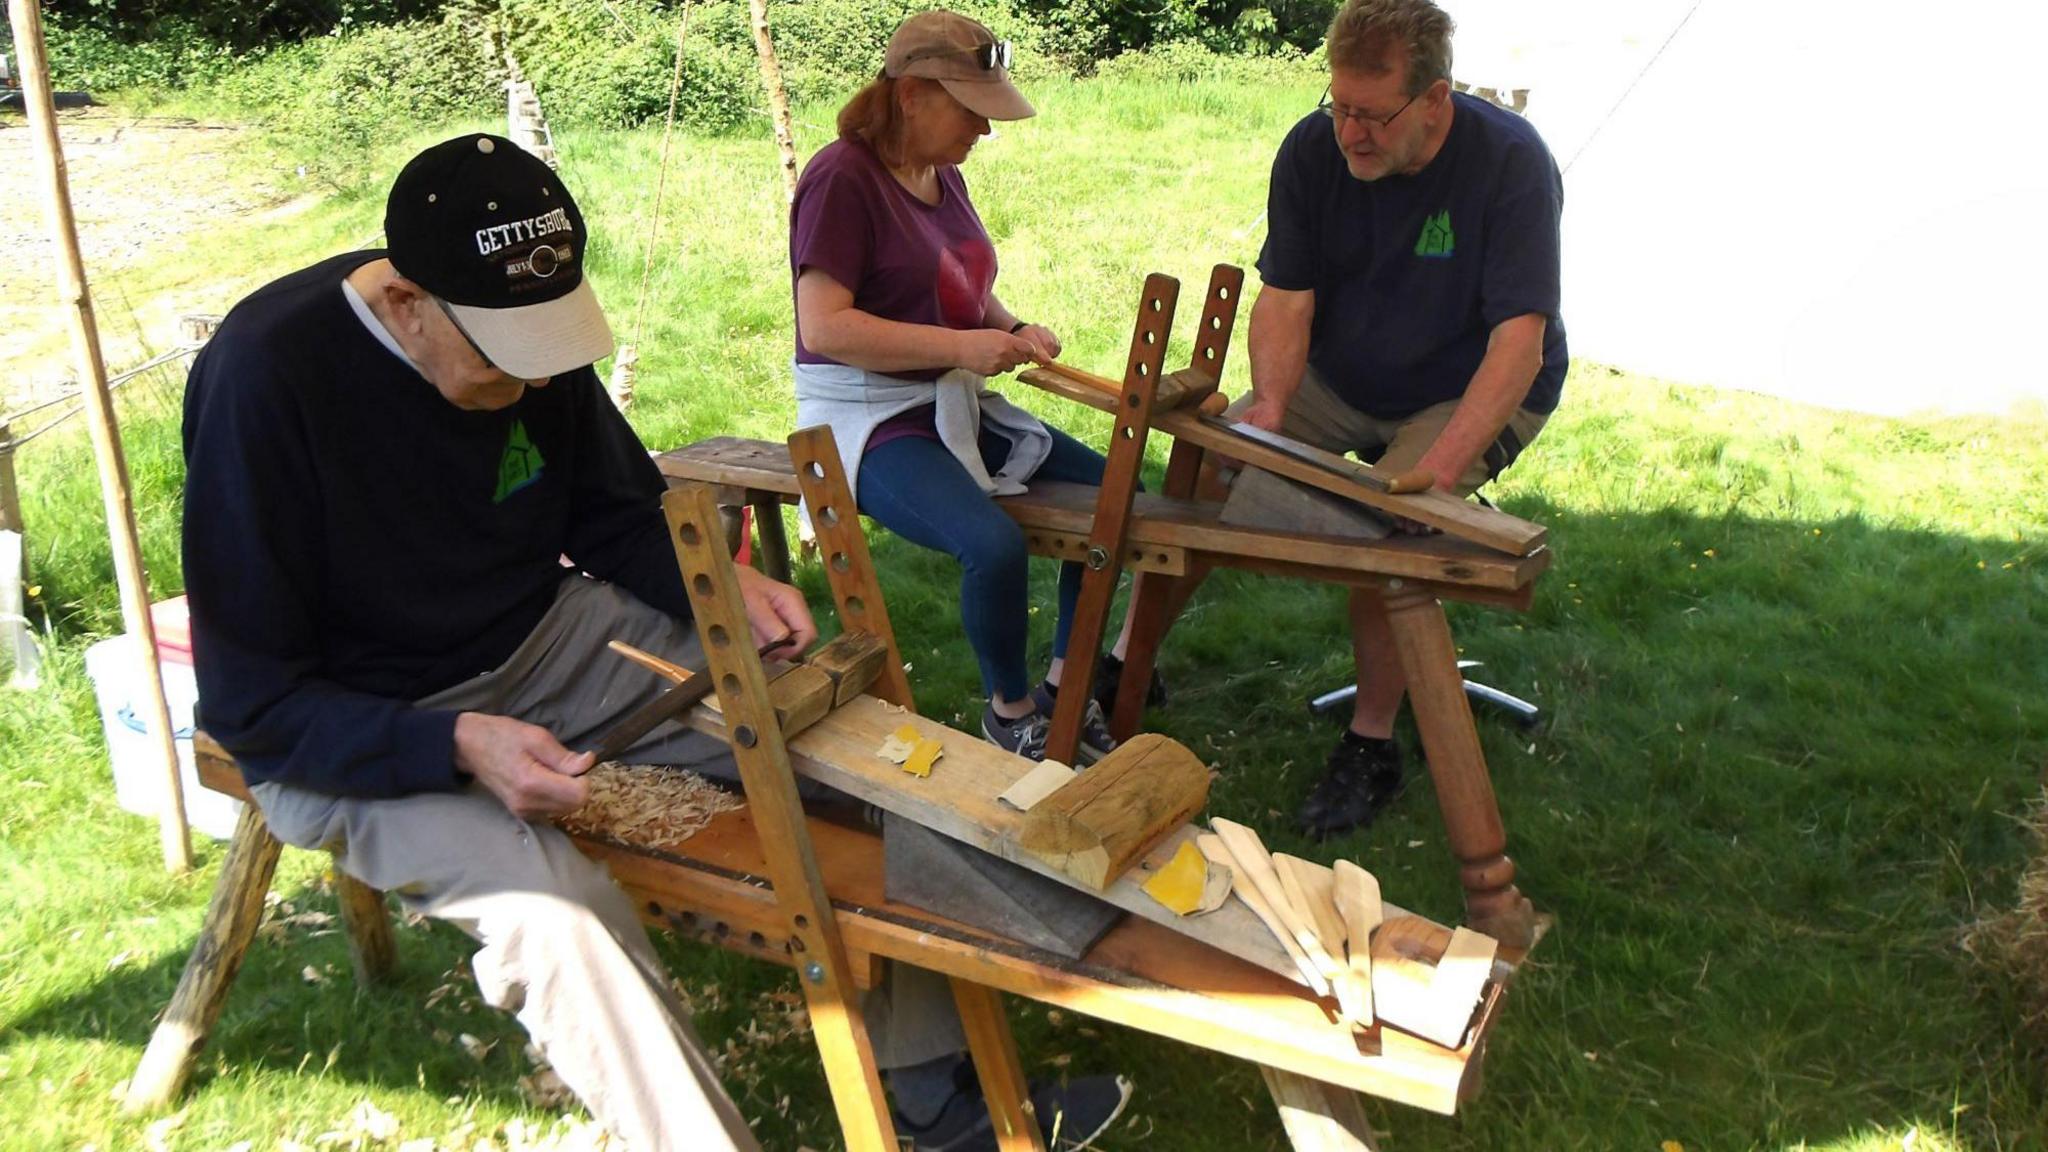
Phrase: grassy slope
x=1790 y=662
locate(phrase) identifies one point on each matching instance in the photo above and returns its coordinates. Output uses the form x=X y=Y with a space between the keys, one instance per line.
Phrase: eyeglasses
x=1340 y=115
x=993 y=55
x=466 y=337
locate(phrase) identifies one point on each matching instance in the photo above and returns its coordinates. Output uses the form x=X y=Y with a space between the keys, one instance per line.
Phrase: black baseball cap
x=491 y=230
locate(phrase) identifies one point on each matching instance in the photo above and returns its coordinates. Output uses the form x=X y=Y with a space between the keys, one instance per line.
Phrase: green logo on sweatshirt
x=1437 y=240
x=520 y=465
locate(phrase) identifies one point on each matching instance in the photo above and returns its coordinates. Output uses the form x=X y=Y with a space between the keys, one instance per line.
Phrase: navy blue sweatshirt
x=354 y=542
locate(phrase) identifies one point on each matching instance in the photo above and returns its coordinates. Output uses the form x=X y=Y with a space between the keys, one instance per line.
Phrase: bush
x=234 y=25
x=1091 y=31
x=611 y=64
x=829 y=48
x=329 y=104
x=89 y=57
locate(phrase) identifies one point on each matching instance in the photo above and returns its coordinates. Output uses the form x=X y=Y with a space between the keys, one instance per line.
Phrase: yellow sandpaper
x=1179 y=885
x=922 y=757
x=901 y=743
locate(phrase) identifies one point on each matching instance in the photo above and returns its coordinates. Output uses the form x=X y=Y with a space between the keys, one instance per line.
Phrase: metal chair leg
x=1522 y=712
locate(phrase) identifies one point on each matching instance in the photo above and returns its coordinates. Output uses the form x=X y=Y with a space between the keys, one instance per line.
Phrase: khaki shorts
x=1318 y=416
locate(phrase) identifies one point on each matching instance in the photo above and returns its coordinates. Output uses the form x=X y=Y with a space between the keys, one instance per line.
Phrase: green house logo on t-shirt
x=520 y=465
x=1437 y=240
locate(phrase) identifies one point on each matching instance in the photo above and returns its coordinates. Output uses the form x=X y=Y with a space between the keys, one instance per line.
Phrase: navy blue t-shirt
x=354 y=542
x=1412 y=273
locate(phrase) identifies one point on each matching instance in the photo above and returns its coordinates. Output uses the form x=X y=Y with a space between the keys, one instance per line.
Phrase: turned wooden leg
x=370 y=948
x=1318 y=1117
x=231 y=921
x=774 y=540
x=1458 y=766
x=995 y=1062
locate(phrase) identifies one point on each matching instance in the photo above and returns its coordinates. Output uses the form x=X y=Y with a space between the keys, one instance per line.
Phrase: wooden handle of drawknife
x=1090 y=379
x=667 y=670
x=1411 y=482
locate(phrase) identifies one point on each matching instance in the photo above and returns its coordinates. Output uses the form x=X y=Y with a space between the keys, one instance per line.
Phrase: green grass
x=1790 y=661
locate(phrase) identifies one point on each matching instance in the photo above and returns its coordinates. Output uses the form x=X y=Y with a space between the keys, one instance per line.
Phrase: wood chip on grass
x=649 y=805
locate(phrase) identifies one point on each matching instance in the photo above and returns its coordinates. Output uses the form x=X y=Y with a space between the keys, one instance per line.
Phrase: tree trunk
x=778 y=96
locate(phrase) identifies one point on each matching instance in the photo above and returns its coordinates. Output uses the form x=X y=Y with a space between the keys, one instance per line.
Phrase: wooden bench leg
x=370 y=947
x=774 y=539
x=1318 y=1117
x=1464 y=791
x=1155 y=604
x=996 y=1063
x=231 y=921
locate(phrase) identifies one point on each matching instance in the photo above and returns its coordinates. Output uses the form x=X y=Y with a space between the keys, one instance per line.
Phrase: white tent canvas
x=1833 y=202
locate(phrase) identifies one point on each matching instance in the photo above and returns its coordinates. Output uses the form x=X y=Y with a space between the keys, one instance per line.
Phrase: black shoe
x=1109 y=672
x=1070 y=1114
x=1363 y=777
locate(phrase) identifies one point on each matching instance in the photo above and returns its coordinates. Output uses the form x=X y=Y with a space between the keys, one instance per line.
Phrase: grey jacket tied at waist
x=853 y=402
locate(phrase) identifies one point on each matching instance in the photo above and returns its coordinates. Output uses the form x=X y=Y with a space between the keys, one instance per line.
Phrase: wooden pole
x=106 y=434
x=778 y=96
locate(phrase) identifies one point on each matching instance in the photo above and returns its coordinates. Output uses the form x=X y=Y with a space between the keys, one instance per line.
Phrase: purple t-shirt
x=902 y=258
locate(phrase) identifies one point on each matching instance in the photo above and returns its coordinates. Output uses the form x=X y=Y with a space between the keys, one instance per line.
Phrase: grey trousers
x=562 y=947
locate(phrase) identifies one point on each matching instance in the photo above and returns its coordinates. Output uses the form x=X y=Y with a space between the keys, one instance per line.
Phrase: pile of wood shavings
x=648 y=804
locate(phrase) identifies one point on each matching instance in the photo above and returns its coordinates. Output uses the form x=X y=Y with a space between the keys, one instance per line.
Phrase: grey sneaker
x=1024 y=736
x=1096 y=742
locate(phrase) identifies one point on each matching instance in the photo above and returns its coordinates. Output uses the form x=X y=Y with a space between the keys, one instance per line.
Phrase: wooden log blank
x=1105 y=819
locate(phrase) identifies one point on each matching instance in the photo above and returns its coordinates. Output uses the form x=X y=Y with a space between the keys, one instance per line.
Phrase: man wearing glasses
x=1410 y=311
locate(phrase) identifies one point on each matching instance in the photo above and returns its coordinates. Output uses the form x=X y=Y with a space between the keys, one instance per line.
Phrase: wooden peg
x=1213 y=847
x=1313 y=887
x=1310 y=887
x=1357 y=896
x=1253 y=860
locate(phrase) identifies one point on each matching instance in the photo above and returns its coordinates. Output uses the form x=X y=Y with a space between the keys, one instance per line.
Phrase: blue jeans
x=915 y=488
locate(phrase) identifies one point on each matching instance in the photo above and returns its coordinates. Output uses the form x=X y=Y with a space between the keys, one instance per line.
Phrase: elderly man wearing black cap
x=389 y=454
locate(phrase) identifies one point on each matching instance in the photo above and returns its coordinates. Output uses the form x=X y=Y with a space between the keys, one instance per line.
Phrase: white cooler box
x=138 y=775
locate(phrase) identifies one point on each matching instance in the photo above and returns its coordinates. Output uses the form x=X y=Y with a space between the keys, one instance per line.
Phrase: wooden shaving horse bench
x=770 y=882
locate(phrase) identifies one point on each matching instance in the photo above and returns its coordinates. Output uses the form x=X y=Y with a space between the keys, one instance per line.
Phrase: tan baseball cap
x=965 y=57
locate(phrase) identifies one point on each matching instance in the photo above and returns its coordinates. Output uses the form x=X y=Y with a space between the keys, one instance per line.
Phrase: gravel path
x=141 y=187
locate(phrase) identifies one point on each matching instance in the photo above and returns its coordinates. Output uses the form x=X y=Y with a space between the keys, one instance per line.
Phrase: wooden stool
x=224 y=936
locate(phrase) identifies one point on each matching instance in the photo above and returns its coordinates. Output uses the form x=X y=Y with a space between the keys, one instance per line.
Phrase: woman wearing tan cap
x=898 y=325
